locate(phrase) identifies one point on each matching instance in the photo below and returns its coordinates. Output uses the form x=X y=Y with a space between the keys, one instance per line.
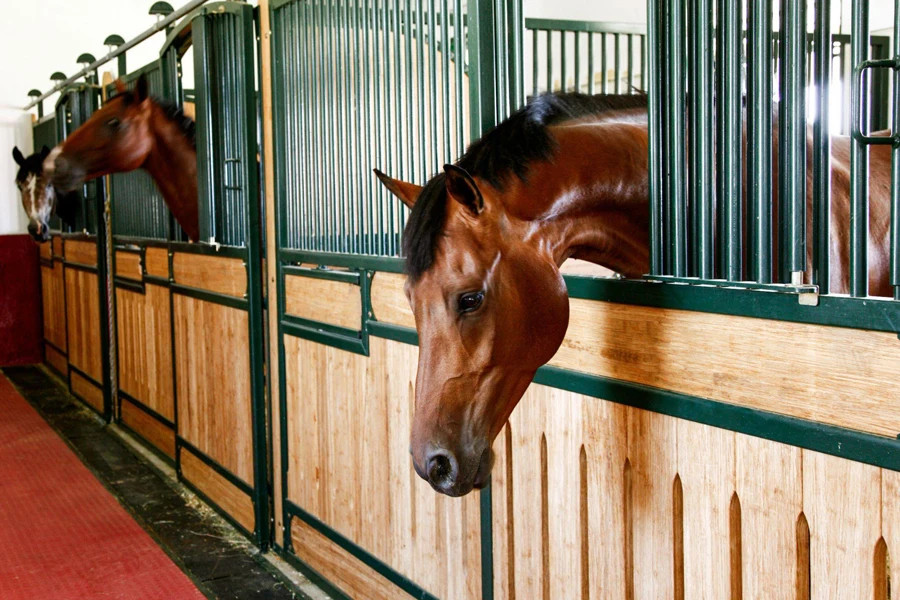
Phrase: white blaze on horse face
x=50 y=161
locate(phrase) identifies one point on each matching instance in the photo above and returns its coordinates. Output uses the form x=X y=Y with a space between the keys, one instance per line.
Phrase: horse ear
x=45 y=151
x=462 y=188
x=408 y=193
x=141 y=92
x=120 y=87
x=17 y=156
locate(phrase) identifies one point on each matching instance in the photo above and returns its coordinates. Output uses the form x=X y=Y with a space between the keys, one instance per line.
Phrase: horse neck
x=173 y=165
x=591 y=201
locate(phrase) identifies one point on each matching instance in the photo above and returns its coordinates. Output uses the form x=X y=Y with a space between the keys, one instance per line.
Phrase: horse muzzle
x=456 y=474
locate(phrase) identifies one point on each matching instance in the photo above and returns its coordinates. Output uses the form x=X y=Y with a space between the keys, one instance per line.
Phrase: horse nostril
x=441 y=469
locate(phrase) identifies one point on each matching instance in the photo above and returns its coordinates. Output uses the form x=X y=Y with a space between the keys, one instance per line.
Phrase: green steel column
x=895 y=161
x=759 y=142
x=655 y=40
x=729 y=143
x=859 y=156
x=675 y=124
x=821 y=175
x=482 y=67
x=701 y=129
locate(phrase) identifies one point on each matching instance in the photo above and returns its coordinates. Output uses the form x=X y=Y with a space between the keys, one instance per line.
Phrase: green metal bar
x=655 y=29
x=432 y=85
x=730 y=134
x=483 y=66
x=630 y=40
x=534 y=62
x=461 y=52
x=372 y=157
x=821 y=173
x=702 y=137
x=516 y=29
x=675 y=31
x=549 y=35
x=859 y=157
x=562 y=60
x=400 y=140
x=590 y=37
x=759 y=142
x=604 y=75
x=675 y=122
x=577 y=62
x=895 y=162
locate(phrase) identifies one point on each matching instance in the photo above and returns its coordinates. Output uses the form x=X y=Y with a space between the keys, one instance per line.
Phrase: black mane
x=502 y=153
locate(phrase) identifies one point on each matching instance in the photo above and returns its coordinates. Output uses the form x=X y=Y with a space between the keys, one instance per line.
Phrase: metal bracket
x=863 y=100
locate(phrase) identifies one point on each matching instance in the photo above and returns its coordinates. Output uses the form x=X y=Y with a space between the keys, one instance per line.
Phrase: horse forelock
x=506 y=151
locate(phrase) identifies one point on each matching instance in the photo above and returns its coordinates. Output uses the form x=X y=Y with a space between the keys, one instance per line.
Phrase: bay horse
x=40 y=199
x=133 y=130
x=565 y=177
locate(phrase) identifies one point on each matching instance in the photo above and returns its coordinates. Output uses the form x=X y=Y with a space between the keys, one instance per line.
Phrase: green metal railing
x=76 y=104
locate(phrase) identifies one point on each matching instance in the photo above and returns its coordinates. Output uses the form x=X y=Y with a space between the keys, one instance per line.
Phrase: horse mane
x=173 y=113
x=504 y=152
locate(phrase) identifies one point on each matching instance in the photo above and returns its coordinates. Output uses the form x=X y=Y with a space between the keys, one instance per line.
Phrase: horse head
x=39 y=197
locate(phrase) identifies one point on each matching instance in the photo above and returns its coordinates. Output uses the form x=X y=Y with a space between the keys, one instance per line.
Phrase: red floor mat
x=62 y=534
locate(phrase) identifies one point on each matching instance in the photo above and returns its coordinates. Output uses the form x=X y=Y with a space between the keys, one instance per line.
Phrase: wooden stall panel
x=213 y=382
x=57 y=246
x=212 y=273
x=332 y=302
x=890 y=525
x=54 y=305
x=218 y=489
x=83 y=320
x=81 y=252
x=87 y=390
x=46 y=251
x=348 y=464
x=156 y=262
x=389 y=302
x=56 y=359
x=842 y=502
x=807 y=371
x=145 y=348
x=157 y=433
x=128 y=265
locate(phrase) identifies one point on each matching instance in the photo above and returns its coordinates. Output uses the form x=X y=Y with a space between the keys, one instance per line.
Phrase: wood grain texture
x=806 y=371
x=87 y=391
x=348 y=464
x=46 y=251
x=770 y=486
x=213 y=382
x=338 y=566
x=81 y=252
x=156 y=262
x=890 y=522
x=332 y=302
x=842 y=502
x=145 y=348
x=56 y=359
x=218 y=489
x=389 y=302
x=83 y=322
x=54 y=304
x=57 y=246
x=212 y=273
x=160 y=435
x=128 y=265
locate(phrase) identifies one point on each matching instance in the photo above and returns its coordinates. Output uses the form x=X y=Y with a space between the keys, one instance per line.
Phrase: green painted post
x=701 y=138
x=655 y=41
x=759 y=142
x=729 y=166
x=675 y=124
x=821 y=174
x=895 y=161
x=859 y=157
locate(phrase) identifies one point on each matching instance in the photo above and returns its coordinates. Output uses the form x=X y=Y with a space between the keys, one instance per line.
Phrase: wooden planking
x=56 y=359
x=57 y=246
x=213 y=382
x=890 y=521
x=81 y=252
x=54 y=305
x=770 y=488
x=352 y=468
x=218 y=489
x=842 y=502
x=145 y=348
x=333 y=302
x=160 y=435
x=128 y=265
x=389 y=302
x=212 y=273
x=46 y=251
x=807 y=371
x=338 y=566
x=83 y=322
x=87 y=390
x=156 y=262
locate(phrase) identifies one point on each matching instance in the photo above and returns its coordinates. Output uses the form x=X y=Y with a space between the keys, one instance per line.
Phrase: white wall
x=15 y=130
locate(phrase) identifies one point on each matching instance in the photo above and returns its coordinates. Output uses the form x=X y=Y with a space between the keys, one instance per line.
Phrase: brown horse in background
x=565 y=177
x=134 y=131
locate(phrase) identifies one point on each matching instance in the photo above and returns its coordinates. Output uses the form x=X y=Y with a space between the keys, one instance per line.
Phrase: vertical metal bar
x=630 y=41
x=516 y=27
x=674 y=31
x=369 y=123
x=675 y=122
x=701 y=129
x=759 y=142
x=399 y=144
x=578 y=62
x=895 y=162
x=562 y=59
x=420 y=77
x=334 y=200
x=605 y=76
x=362 y=148
x=655 y=29
x=821 y=173
x=730 y=133
x=445 y=80
x=385 y=209
x=590 y=37
x=460 y=46
x=433 y=92
x=643 y=63
x=534 y=61
x=549 y=59
x=859 y=156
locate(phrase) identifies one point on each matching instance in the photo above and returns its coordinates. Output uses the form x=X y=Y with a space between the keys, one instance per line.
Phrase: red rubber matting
x=62 y=534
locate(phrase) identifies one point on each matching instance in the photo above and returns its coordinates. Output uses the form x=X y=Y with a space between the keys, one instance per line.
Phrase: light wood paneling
x=57 y=246
x=807 y=371
x=145 y=348
x=218 y=489
x=213 y=382
x=87 y=391
x=389 y=302
x=352 y=468
x=81 y=252
x=160 y=435
x=890 y=522
x=156 y=262
x=54 y=305
x=339 y=567
x=332 y=302
x=83 y=320
x=212 y=273
x=842 y=502
x=56 y=359
x=128 y=265
x=770 y=488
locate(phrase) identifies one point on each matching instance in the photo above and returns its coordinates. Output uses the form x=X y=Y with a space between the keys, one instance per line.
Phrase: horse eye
x=113 y=123
x=470 y=302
